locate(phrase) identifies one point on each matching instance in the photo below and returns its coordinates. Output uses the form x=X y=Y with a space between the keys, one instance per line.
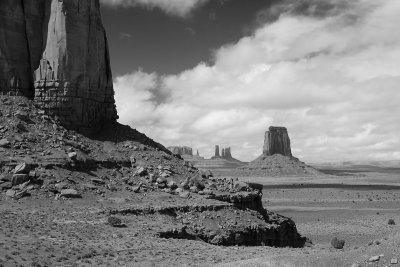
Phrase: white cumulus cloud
x=332 y=80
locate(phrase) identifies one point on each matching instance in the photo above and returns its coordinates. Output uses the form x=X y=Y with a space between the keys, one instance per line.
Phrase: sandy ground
x=37 y=232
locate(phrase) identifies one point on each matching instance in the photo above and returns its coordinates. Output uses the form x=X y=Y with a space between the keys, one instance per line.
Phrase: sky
x=206 y=72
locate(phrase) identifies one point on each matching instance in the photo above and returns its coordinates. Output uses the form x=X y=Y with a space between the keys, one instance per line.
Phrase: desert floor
x=355 y=207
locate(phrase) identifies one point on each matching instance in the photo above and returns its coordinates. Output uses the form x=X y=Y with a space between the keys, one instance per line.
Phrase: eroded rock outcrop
x=181 y=150
x=56 y=52
x=276 y=141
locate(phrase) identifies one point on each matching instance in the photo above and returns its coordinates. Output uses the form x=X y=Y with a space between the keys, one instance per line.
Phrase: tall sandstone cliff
x=56 y=52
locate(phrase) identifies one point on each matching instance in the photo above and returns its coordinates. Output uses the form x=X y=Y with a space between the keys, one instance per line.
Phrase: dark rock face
x=181 y=150
x=56 y=52
x=276 y=141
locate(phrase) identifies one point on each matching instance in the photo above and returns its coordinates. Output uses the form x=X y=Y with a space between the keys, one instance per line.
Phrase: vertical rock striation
x=57 y=53
x=15 y=66
x=276 y=141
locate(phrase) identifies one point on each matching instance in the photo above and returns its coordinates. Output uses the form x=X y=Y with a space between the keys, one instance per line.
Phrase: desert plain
x=352 y=205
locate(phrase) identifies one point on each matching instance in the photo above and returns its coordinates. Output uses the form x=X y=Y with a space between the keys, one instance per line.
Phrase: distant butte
x=276 y=158
x=276 y=141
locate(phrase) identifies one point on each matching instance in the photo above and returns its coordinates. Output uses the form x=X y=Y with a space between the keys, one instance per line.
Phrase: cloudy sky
x=206 y=72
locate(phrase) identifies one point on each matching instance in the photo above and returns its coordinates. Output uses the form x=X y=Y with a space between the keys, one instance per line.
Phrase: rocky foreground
x=53 y=179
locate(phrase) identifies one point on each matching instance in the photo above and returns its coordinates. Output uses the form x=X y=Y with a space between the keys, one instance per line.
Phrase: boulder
x=22 y=168
x=337 y=243
x=70 y=193
x=20 y=178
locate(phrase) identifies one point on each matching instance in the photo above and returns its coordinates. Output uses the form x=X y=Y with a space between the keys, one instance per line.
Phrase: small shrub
x=391 y=222
x=337 y=243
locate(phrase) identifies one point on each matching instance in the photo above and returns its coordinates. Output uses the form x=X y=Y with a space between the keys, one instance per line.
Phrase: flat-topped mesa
x=181 y=150
x=276 y=141
x=56 y=52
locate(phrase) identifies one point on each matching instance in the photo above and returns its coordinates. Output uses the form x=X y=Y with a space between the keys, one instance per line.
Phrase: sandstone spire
x=276 y=141
x=228 y=154
x=216 y=154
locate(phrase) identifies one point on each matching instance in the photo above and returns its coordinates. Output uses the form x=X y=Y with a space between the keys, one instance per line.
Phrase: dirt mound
x=276 y=165
x=42 y=161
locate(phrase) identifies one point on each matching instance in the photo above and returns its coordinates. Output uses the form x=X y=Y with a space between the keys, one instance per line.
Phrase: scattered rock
x=136 y=189
x=184 y=194
x=152 y=178
x=4 y=143
x=22 y=115
x=61 y=186
x=11 y=193
x=97 y=181
x=391 y=222
x=141 y=171
x=178 y=191
x=241 y=186
x=172 y=185
x=114 y=221
x=70 y=193
x=337 y=243
x=161 y=180
x=22 y=168
x=5 y=177
x=16 y=194
x=194 y=189
x=72 y=156
x=90 y=186
x=19 y=179
x=374 y=258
